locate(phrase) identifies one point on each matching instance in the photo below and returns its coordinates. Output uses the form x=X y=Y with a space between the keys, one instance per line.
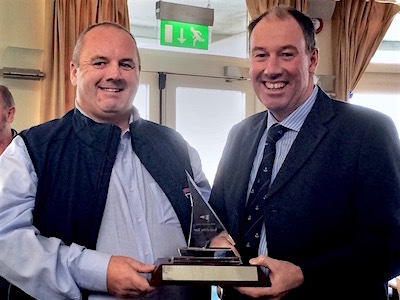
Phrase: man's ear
x=10 y=114
x=314 y=58
x=73 y=70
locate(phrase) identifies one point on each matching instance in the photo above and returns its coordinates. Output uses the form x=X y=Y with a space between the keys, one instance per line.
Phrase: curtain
x=358 y=28
x=65 y=20
x=258 y=7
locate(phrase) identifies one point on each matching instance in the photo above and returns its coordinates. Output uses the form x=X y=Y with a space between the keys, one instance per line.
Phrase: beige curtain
x=65 y=20
x=358 y=27
x=258 y=7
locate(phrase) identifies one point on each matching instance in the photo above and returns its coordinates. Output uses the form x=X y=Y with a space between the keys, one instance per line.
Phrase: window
x=389 y=50
x=141 y=101
x=379 y=86
x=204 y=118
x=387 y=104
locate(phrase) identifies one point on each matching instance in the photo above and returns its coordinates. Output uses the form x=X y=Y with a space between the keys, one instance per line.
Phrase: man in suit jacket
x=331 y=225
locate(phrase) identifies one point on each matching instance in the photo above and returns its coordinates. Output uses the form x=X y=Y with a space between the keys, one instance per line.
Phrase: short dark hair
x=6 y=97
x=304 y=21
x=79 y=42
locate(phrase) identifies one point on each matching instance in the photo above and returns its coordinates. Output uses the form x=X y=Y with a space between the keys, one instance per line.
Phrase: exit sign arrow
x=181 y=39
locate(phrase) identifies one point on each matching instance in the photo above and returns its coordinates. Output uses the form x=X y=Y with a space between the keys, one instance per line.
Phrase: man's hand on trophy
x=224 y=240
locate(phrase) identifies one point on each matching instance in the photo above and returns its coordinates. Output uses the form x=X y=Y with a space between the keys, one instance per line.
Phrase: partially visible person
x=7 y=112
x=331 y=216
x=88 y=202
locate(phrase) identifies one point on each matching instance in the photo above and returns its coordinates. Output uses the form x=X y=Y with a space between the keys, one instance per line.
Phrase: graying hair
x=6 y=96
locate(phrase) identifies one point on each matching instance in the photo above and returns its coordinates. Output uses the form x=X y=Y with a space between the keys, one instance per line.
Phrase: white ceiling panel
x=230 y=16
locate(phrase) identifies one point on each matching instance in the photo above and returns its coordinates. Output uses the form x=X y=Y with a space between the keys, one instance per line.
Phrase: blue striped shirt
x=294 y=122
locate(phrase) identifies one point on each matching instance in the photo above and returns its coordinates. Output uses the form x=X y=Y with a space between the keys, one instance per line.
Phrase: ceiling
x=230 y=16
x=229 y=30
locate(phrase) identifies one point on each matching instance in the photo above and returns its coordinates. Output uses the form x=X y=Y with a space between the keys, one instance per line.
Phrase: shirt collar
x=133 y=117
x=296 y=119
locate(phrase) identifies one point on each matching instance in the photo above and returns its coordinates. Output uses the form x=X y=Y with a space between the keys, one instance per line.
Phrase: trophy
x=198 y=264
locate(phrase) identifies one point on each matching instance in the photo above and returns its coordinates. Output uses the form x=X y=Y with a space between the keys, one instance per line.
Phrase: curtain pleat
x=358 y=28
x=65 y=20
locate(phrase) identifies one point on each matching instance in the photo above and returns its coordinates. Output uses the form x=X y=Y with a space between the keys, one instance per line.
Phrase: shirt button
x=146 y=253
x=140 y=220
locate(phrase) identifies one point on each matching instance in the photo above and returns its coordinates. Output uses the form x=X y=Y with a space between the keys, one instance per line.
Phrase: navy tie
x=254 y=214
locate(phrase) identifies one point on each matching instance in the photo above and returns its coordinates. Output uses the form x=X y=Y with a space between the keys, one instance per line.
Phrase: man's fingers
x=230 y=240
x=141 y=267
x=261 y=260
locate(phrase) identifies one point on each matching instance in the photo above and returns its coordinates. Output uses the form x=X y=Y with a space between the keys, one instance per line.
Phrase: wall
x=21 y=27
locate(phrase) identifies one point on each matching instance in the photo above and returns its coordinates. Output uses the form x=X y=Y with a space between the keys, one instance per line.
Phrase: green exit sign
x=179 y=34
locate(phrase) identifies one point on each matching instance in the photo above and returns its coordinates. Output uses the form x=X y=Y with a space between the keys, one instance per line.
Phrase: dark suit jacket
x=333 y=208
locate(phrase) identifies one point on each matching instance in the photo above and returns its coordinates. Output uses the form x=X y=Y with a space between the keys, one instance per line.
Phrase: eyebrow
x=258 y=48
x=128 y=59
x=106 y=58
x=98 y=57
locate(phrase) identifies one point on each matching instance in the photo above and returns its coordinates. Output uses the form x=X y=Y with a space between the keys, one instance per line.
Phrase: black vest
x=73 y=158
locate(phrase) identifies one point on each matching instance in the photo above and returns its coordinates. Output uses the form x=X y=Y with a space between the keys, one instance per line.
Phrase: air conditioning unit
x=18 y=73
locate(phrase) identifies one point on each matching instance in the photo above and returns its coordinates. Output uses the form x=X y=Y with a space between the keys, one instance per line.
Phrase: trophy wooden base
x=197 y=271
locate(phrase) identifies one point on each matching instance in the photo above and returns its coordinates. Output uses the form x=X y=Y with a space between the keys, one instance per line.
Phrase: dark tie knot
x=276 y=132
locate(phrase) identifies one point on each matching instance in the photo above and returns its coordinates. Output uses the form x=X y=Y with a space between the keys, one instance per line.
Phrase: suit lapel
x=250 y=143
x=308 y=139
x=244 y=149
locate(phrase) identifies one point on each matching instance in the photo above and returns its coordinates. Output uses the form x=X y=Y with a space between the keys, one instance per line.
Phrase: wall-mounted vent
x=18 y=73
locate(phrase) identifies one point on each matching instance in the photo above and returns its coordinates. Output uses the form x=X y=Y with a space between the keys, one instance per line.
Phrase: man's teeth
x=275 y=85
x=112 y=90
